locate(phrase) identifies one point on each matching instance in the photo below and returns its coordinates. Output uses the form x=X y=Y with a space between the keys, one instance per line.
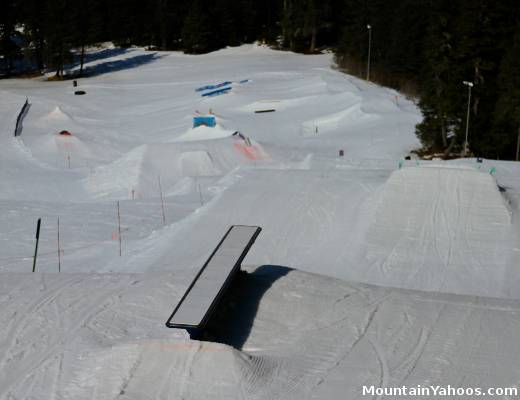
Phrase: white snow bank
x=351 y=116
x=56 y=116
x=204 y=133
x=440 y=229
x=310 y=218
x=429 y=229
x=102 y=336
x=139 y=169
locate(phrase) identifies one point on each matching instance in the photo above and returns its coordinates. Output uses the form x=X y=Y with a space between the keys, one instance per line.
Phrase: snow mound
x=303 y=218
x=204 y=133
x=437 y=229
x=381 y=105
x=121 y=176
x=57 y=115
x=138 y=170
x=278 y=105
x=302 y=336
x=181 y=367
x=352 y=116
x=431 y=229
x=70 y=146
x=196 y=163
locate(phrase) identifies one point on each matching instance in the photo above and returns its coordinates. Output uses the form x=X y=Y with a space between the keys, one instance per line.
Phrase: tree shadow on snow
x=105 y=53
x=120 y=64
x=234 y=317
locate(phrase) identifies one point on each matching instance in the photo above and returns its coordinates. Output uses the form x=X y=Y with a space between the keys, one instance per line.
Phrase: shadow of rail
x=232 y=322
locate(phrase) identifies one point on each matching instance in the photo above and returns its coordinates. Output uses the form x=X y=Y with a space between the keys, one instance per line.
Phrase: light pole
x=469 y=85
x=369 y=27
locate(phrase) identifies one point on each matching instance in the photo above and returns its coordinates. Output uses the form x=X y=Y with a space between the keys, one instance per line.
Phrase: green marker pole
x=37 y=241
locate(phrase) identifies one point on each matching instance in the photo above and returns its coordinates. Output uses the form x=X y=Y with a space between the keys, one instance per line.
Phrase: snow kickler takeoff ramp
x=211 y=282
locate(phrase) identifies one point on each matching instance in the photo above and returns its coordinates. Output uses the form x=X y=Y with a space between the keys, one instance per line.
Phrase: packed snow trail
x=429 y=228
x=441 y=228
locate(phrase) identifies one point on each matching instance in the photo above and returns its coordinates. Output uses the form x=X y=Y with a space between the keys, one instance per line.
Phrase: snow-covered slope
x=371 y=270
x=429 y=228
x=101 y=336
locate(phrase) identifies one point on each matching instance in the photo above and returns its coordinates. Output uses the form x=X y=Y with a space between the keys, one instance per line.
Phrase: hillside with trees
x=424 y=48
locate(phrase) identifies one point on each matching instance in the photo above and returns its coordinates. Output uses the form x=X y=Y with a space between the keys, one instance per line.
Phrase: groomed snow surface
x=368 y=271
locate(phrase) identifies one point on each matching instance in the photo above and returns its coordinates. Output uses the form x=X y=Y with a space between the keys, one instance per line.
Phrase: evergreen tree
x=247 y=21
x=196 y=34
x=268 y=25
x=352 y=49
x=405 y=42
x=479 y=56
x=59 y=35
x=466 y=42
x=440 y=75
x=225 y=23
x=9 y=51
x=301 y=22
x=34 y=30
x=79 y=17
x=507 y=112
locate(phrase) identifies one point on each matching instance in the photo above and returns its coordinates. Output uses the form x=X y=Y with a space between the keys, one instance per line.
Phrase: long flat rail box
x=211 y=282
